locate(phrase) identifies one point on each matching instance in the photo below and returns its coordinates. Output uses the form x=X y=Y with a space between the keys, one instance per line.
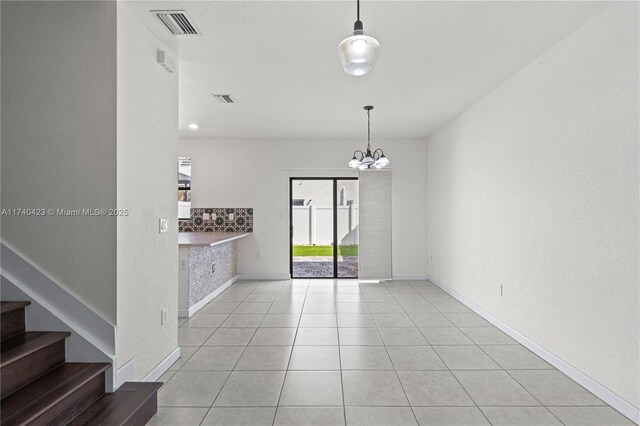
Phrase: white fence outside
x=313 y=225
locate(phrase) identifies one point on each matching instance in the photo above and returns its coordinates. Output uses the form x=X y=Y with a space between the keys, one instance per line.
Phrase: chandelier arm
x=361 y=154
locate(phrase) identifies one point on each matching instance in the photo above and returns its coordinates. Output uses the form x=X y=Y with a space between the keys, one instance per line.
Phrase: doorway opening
x=323 y=223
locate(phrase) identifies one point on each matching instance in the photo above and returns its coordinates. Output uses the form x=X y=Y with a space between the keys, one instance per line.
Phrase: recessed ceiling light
x=193 y=126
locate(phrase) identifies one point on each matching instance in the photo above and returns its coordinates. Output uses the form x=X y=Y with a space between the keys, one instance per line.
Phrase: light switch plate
x=164 y=225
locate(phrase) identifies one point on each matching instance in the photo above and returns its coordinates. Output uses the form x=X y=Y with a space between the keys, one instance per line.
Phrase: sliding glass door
x=346 y=228
x=323 y=227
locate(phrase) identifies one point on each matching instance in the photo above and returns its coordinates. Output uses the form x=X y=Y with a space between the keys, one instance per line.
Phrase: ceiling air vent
x=224 y=98
x=177 y=21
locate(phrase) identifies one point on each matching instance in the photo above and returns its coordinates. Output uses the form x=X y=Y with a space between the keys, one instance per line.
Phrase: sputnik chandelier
x=366 y=160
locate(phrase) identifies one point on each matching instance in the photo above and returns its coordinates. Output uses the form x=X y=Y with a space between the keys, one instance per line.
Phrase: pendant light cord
x=368 y=129
x=357 y=26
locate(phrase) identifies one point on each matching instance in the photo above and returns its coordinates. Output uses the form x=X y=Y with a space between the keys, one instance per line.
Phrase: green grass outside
x=324 y=250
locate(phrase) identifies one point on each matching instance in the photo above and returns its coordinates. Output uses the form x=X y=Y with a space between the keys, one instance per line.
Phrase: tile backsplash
x=218 y=220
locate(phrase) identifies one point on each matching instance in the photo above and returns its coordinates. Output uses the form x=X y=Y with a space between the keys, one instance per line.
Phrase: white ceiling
x=278 y=59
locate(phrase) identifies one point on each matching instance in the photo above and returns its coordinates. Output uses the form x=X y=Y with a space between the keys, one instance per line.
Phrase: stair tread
x=117 y=407
x=24 y=344
x=9 y=306
x=34 y=399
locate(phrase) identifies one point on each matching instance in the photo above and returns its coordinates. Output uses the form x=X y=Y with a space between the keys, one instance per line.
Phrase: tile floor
x=335 y=352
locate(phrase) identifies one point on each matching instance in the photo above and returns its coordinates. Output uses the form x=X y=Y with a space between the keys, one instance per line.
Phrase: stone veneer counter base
x=208 y=263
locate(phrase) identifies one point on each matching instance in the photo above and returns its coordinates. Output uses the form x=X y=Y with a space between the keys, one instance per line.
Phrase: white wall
x=255 y=173
x=59 y=141
x=67 y=142
x=147 y=182
x=535 y=188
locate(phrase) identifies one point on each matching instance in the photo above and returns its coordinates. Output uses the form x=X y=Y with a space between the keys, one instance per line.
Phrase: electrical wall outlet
x=164 y=316
x=257 y=255
x=183 y=264
x=164 y=225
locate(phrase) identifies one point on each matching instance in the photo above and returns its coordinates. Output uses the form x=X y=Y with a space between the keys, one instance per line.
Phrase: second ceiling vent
x=177 y=21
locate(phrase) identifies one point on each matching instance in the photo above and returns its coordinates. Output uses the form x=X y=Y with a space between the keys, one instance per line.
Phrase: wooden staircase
x=38 y=387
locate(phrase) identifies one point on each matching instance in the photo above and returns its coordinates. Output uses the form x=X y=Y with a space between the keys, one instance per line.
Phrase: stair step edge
x=33 y=342
x=9 y=305
x=142 y=390
x=149 y=389
x=51 y=395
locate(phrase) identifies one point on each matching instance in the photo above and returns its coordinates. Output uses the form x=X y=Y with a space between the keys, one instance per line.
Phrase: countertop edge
x=213 y=243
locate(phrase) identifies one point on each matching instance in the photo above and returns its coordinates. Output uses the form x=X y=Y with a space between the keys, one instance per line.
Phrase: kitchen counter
x=208 y=239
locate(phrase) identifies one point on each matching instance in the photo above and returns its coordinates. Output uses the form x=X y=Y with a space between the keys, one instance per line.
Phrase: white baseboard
x=124 y=374
x=264 y=277
x=188 y=313
x=614 y=400
x=41 y=288
x=161 y=368
x=410 y=277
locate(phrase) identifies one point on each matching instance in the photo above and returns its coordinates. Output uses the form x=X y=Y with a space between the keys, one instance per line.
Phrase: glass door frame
x=335 y=224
